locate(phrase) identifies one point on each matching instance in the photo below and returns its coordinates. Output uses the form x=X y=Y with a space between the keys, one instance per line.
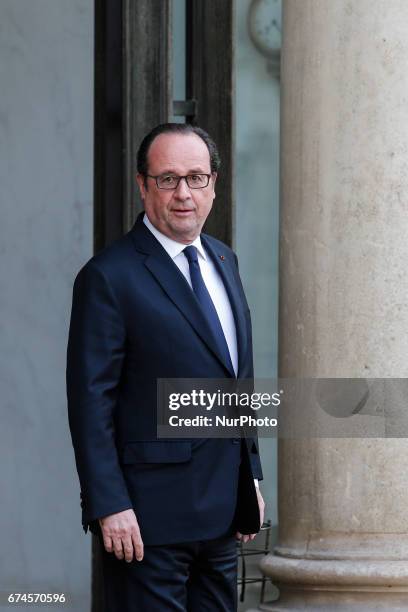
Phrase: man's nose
x=182 y=191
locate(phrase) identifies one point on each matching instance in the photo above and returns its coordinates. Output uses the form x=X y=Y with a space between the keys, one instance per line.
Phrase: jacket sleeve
x=95 y=356
x=252 y=443
x=254 y=458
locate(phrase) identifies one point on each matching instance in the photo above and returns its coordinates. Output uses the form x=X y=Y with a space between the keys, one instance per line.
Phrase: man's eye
x=197 y=179
x=168 y=179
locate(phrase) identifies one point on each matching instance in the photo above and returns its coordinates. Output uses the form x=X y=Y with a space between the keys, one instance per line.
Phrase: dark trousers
x=188 y=577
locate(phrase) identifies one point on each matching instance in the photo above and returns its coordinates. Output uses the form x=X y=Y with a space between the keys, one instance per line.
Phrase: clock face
x=264 y=24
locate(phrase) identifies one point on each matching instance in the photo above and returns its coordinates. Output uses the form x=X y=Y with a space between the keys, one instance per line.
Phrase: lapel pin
x=222 y=257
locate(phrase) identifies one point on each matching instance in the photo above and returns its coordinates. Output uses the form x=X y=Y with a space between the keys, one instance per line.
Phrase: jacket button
x=236 y=440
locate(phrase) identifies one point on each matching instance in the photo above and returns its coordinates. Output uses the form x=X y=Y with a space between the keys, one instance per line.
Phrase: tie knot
x=191 y=253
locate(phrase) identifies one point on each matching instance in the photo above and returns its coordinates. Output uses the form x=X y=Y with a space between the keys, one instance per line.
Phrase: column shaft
x=343 y=541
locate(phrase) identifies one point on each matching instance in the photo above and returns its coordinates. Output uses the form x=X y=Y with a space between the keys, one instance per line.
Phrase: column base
x=339 y=585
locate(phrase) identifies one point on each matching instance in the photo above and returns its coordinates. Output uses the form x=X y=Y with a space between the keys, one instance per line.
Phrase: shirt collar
x=172 y=247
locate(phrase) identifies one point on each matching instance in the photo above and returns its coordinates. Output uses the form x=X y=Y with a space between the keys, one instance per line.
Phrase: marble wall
x=46 y=142
x=257 y=212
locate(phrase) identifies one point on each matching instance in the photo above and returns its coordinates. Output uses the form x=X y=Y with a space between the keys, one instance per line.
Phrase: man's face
x=180 y=213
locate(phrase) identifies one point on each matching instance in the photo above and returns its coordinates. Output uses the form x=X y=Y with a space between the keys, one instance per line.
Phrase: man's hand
x=121 y=535
x=261 y=505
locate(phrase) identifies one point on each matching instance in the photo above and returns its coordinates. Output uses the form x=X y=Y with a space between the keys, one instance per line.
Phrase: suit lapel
x=172 y=281
x=227 y=270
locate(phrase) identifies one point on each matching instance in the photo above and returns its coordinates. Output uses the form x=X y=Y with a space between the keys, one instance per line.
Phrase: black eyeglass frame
x=156 y=178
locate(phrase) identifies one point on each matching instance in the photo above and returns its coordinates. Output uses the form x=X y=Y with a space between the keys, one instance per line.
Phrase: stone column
x=343 y=506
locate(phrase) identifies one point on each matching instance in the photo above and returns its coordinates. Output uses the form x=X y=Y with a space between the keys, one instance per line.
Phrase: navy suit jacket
x=135 y=319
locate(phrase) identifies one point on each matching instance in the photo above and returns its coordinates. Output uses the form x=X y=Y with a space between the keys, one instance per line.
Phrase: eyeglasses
x=171 y=181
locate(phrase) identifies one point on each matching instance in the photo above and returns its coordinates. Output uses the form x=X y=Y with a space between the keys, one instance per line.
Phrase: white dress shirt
x=212 y=280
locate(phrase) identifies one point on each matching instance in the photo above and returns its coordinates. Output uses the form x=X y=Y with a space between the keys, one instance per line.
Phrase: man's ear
x=142 y=187
x=214 y=178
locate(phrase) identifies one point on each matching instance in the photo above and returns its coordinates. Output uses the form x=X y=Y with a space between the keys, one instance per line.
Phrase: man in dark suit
x=164 y=301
